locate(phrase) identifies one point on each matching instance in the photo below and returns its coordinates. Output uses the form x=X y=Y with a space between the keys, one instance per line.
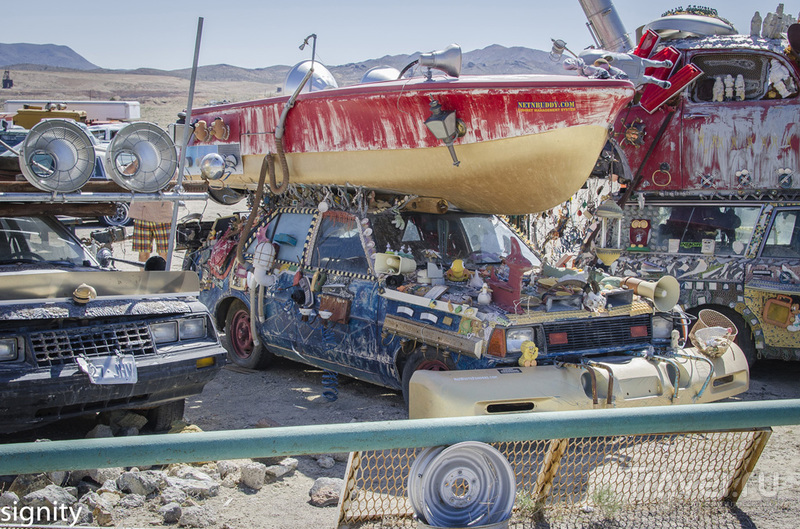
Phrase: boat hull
x=529 y=143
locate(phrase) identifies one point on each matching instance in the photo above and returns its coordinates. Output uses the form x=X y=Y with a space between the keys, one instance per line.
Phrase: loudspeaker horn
x=142 y=157
x=57 y=156
x=665 y=292
x=447 y=60
x=393 y=264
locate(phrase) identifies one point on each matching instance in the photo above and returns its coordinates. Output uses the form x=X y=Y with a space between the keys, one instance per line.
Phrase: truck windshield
x=477 y=239
x=38 y=239
x=728 y=228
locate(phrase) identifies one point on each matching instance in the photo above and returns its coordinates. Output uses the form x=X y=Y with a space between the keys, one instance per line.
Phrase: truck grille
x=598 y=334
x=62 y=346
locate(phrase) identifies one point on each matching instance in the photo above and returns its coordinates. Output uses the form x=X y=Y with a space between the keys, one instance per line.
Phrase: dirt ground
x=161 y=97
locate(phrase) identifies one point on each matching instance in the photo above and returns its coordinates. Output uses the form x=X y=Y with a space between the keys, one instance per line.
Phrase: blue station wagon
x=392 y=289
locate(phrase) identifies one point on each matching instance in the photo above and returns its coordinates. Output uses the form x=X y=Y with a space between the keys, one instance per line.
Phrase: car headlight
x=192 y=328
x=165 y=332
x=8 y=350
x=515 y=337
x=662 y=327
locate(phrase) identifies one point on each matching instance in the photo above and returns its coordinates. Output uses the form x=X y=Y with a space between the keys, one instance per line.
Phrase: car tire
x=120 y=218
x=160 y=419
x=744 y=336
x=425 y=360
x=239 y=339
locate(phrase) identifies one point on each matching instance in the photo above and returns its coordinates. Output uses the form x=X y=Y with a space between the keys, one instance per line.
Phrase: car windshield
x=688 y=229
x=35 y=239
x=477 y=239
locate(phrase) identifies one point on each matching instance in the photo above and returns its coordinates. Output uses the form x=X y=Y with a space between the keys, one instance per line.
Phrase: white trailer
x=95 y=110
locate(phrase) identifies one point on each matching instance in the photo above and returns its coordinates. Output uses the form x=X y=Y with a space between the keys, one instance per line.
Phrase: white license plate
x=118 y=369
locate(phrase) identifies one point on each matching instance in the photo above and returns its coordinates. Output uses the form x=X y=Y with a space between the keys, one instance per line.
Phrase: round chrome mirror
x=212 y=166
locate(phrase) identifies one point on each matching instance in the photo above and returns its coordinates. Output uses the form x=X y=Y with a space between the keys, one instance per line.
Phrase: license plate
x=118 y=369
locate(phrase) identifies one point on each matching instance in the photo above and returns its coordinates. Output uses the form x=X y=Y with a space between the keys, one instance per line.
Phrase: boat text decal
x=545 y=106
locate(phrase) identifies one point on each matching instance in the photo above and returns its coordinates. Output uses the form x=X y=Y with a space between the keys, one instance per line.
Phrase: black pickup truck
x=76 y=338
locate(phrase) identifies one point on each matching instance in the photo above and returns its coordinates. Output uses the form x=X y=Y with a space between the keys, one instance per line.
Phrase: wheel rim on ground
x=466 y=484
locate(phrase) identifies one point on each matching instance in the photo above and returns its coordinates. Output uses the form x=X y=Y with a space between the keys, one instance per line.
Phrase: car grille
x=599 y=334
x=62 y=346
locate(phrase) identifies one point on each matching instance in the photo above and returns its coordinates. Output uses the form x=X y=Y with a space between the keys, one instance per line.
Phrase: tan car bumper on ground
x=635 y=381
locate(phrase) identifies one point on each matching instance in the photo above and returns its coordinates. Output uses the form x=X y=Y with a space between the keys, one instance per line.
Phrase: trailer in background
x=95 y=110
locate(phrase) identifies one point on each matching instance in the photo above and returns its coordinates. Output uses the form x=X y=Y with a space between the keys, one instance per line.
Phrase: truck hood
x=28 y=285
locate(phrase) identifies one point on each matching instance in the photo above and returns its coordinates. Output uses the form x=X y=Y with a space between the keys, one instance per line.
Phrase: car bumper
x=35 y=397
x=617 y=382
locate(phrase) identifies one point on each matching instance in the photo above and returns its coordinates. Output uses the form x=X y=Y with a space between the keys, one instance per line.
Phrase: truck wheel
x=119 y=218
x=239 y=339
x=160 y=419
x=424 y=361
x=744 y=337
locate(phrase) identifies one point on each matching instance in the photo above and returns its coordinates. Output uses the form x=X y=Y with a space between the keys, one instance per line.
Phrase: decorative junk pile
x=379 y=254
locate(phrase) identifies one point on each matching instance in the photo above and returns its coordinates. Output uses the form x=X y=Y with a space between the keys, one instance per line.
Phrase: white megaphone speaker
x=57 y=156
x=142 y=157
x=447 y=60
x=386 y=263
x=665 y=292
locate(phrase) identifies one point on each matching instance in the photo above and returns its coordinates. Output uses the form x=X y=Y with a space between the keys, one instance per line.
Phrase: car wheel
x=424 y=360
x=744 y=336
x=119 y=218
x=160 y=419
x=239 y=339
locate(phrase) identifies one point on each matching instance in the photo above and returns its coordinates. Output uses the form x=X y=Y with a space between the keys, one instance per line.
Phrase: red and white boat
x=527 y=143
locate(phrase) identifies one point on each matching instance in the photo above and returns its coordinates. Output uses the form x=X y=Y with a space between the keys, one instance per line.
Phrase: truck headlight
x=515 y=337
x=8 y=350
x=192 y=328
x=165 y=332
x=662 y=327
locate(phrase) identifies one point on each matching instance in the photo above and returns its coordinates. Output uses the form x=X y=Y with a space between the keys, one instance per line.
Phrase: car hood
x=26 y=284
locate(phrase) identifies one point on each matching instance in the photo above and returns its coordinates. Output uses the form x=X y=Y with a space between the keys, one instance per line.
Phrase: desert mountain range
x=494 y=59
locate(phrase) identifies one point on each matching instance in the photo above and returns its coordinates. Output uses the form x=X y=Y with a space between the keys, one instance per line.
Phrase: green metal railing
x=26 y=458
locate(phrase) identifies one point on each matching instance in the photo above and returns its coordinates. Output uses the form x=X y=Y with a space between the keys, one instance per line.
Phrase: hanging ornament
x=635 y=133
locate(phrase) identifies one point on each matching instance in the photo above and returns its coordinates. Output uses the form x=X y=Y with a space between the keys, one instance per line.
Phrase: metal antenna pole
x=185 y=142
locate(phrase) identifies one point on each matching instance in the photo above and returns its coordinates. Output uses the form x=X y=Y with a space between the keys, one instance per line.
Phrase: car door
x=341 y=334
x=772 y=280
x=288 y=231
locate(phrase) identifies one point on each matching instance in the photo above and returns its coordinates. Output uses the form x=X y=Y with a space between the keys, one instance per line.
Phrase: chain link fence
x=667 y=480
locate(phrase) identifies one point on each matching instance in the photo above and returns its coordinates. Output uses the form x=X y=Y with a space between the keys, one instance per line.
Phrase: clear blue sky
x=258 y=33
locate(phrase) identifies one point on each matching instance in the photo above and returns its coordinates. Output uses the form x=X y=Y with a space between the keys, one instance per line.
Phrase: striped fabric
x=145 y=232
